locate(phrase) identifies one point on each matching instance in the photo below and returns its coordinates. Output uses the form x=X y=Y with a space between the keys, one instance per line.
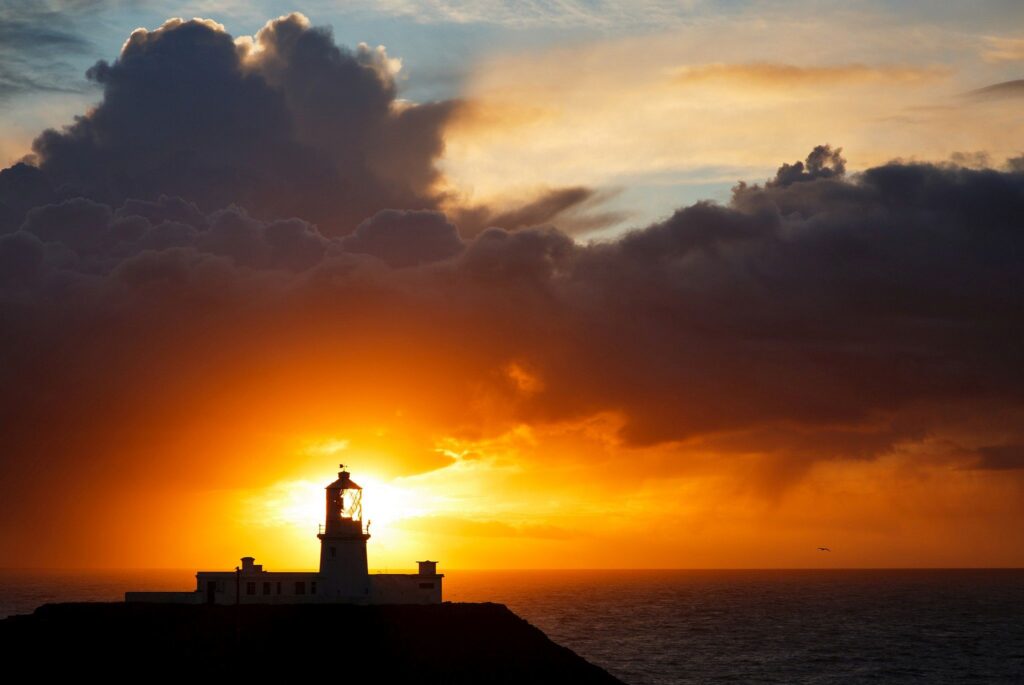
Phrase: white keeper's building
x=343 y=576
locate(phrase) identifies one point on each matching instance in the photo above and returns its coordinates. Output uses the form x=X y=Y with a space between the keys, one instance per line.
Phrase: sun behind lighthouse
x=343 y=576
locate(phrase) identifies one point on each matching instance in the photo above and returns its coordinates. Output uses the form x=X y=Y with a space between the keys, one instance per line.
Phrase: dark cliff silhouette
x=443 y=643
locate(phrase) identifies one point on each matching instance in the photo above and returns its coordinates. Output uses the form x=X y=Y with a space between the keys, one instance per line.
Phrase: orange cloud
x=775 y=75
x=1000 y=49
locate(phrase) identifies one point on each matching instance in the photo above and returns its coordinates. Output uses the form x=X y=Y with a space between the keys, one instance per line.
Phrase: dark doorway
x=211 y=592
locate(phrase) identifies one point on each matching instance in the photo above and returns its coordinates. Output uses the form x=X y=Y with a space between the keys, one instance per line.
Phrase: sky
x=570 y=284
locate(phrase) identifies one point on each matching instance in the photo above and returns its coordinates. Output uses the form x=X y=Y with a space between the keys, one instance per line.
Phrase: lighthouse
x=344 y=574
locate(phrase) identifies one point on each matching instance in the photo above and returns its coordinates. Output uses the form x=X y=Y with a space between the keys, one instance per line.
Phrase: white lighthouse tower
x=343 y=569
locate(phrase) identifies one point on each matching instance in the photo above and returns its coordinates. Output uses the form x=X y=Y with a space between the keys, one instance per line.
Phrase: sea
x=727 y=626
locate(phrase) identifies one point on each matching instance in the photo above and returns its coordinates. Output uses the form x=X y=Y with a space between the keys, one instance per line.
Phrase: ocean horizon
x=661 y=626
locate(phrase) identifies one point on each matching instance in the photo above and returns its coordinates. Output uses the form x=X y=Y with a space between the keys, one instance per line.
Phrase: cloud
x=31 y=34
x=285 y=123
x=775 y=75
x=576 y=209
x=574 y=13
x=823 y=162
x=1001 y=457
x=814 y=305
x=406 y=238
x=999 y=91
x=1000 y=49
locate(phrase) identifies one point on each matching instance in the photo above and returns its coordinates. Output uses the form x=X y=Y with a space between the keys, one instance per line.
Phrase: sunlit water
x=712 y=626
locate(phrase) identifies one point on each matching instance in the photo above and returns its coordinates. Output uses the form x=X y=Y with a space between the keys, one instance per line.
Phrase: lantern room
x=344 y=506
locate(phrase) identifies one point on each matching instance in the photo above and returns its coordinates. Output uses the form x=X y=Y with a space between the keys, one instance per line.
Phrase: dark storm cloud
x=406 y=238
x=288 y=124
x=824 y=301
x=823 y=162
x=810 y=318
x=285 y=124
x=83 y=237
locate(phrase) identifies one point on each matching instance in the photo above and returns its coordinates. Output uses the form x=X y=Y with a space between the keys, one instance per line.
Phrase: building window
x=279 y=587
x=250 y=588
x=266 y=588
x=300 y=587
x=426 y=586
x=334 y=552
x=312 y=588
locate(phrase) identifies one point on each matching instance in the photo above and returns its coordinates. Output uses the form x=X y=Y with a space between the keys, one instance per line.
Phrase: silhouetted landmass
x=443 y=643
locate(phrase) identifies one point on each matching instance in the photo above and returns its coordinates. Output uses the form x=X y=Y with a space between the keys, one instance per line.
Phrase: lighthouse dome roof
x=343 y=483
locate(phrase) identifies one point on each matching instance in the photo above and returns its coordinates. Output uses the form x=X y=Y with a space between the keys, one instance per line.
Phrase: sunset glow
x=675 y=286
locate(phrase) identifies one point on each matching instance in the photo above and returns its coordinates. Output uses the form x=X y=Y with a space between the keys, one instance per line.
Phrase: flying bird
x=824 y=549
